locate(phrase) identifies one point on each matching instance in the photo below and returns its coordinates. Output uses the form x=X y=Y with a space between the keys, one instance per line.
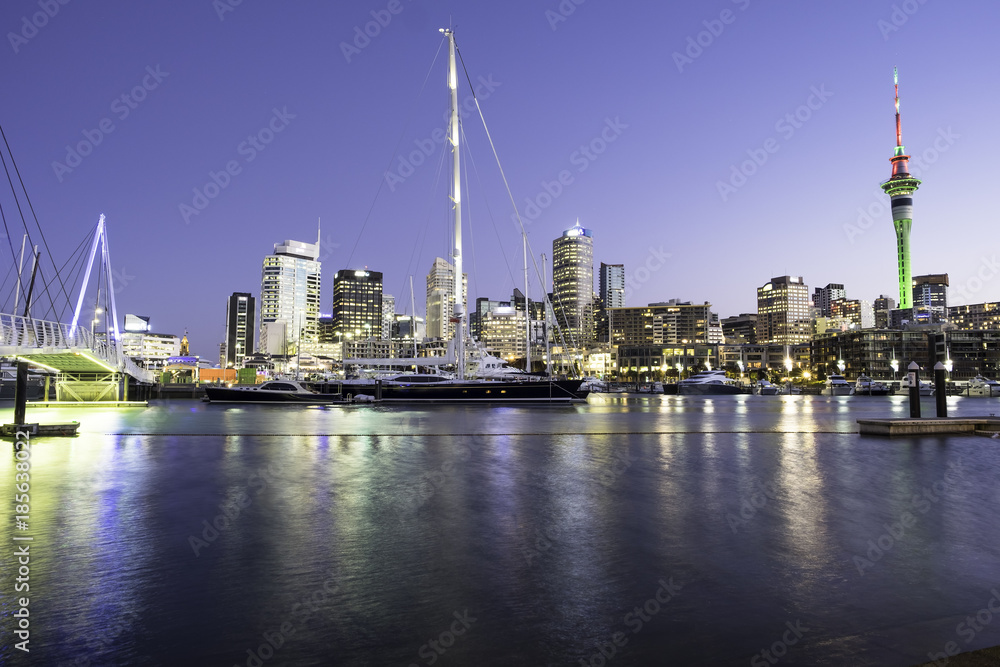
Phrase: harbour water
x=633 y=530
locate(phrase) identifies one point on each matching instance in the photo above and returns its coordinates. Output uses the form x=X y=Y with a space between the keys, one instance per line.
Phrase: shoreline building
x=784 y=315
x=240 y=310
x=573 y=286
x=289 y=297
x=357 y=304
x=900 y=188
x=440 y=304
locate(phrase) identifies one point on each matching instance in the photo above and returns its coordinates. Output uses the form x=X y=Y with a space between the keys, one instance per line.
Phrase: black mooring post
x=940 y=395
x=20 y=392
x=914 y=379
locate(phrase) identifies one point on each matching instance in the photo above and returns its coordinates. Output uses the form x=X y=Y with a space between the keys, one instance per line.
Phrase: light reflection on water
x=549 y=525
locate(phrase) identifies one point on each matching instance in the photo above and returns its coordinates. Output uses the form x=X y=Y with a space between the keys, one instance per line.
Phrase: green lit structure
x=900 y=188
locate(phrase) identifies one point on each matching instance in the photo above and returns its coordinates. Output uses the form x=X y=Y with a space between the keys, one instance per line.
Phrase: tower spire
x=900 y=188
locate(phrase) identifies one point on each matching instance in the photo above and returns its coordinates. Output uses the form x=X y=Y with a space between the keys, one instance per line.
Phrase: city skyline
x=687 y=138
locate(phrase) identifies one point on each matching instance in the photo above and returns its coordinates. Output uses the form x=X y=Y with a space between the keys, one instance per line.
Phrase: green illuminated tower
x=900 y=187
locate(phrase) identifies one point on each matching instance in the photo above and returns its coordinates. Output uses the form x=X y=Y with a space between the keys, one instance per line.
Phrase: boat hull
x=556 y=391
x=707 y=389
x=839 y=391
x=236 y=395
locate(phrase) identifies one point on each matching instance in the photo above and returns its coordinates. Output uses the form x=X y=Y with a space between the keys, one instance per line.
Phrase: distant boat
x=708 y=383
x=865 y=386
x=837 y=385
x=926 y=389
x=981 y=386
x=275 y=391
x=765 y=388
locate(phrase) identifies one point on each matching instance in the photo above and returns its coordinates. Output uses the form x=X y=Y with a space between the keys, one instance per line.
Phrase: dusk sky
x=742 y=138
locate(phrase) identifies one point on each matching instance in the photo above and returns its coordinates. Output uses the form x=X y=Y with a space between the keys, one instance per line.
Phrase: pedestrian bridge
x=87 y=367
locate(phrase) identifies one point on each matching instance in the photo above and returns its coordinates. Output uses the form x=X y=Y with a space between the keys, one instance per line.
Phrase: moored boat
x=837 y=385
x=275 y=391
x=982 y=386
x=708 y=383
x=865 y=386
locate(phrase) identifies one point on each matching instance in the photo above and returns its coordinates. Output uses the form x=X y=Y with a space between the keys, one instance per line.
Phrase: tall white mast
x=545 y=303
x=456 y=198
x=527 y=312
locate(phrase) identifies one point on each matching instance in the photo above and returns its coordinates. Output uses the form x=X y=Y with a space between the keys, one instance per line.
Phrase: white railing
x=24 y=334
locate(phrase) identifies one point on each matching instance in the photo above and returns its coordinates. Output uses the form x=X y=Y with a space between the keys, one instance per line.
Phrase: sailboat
x=493 y=387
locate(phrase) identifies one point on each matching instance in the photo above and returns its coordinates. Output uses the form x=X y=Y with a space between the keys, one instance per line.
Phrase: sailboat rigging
x=494 y=381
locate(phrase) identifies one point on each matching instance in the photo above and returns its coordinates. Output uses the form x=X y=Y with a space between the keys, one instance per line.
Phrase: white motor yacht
x=708 y=382
x=837 y=385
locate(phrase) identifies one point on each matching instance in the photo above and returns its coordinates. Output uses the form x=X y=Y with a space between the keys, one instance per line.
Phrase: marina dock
x=930 y=426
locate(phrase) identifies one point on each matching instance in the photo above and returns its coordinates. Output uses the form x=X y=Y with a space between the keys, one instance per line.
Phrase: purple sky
x=556 y=83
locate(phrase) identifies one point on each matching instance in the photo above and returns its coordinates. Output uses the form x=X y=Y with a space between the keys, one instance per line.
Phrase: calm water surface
x=655 y=529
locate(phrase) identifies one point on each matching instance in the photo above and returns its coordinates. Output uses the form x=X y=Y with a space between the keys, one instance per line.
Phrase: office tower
x=388 y=315
x=573 y=286
x=856 y=313
x=671 y=322
x=289 y=295
x=783 y=313
x=612 y=285
x=930 y=294
x=883 y=304
x=740 y=328
x=240 y=310
x=824 y=296
x=441 y=299
x=900 y=187
x=357 y=304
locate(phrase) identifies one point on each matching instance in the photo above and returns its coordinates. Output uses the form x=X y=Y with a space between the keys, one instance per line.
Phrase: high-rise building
x=573 y=285
x=883 y=304
x=900 y=188
x=240 y=310
x=975 y=316
x=388 y=315
x=857 y=313
x=930 y=294
x=740 y=329
x=669 y=323
x=824 y=296
x=357 y=304
x=783 y=312
x=612 y=285
x=441 y=299
x=289 y=294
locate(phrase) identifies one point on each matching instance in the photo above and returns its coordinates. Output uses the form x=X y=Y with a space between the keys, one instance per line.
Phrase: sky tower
x=900 y=187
